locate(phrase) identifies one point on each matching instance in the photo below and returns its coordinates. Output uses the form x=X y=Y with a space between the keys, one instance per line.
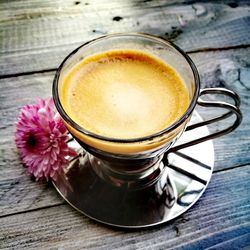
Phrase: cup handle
x=233 y=110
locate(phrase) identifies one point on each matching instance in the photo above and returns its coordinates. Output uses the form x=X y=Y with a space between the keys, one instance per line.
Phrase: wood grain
x=229 y=69
x=34 y=38
x=18 y=193
x=48 y=30
x=220 y=219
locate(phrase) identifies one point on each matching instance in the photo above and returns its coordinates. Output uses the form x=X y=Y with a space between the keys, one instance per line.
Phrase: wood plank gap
x=64 y=202
x=242 y=46
x=202 y=50
x=27 y=73
x=34 y=209
x=230 y=168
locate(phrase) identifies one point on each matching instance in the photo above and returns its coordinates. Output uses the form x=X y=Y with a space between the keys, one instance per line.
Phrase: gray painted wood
x=19 y=193
x=37 y=35
x=221 y=219
x=49 y=30
x=229 y=69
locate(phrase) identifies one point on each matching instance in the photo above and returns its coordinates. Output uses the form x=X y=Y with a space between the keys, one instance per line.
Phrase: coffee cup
x=134 y=160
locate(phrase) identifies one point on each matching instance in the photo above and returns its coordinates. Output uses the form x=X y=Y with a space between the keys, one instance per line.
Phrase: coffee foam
x=124 y=94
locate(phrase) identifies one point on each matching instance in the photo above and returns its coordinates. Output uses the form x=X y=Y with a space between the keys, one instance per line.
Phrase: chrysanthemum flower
x=41 y=138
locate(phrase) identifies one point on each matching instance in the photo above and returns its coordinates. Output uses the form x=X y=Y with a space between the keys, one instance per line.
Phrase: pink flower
x=41 y=138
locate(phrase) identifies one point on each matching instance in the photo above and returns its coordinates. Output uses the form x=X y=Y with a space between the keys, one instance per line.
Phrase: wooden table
x=34 y=38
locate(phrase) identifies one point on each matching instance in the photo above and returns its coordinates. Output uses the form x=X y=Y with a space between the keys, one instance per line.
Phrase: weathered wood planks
x=229 y=69
x=34 y=38
x=220 y=219
x=19 y=193
x=48 y=31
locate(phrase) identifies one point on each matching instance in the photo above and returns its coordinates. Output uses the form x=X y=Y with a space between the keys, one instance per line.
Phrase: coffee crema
x=124 y=94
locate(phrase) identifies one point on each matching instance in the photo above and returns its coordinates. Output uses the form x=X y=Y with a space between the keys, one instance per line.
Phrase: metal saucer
x=182 y=181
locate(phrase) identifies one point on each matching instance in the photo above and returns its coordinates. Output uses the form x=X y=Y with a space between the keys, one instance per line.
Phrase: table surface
x=35 y=36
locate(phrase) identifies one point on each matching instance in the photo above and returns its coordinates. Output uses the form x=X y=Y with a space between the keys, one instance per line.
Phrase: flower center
x=31 y=140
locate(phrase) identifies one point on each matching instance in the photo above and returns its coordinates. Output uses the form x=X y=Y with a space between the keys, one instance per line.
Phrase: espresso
x=124 y=94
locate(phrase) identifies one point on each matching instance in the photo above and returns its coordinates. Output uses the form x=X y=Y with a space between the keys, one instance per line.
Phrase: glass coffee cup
x=136 y=163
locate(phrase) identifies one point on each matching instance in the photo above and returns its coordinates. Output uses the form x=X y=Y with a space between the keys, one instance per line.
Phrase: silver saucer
x=183 y=180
